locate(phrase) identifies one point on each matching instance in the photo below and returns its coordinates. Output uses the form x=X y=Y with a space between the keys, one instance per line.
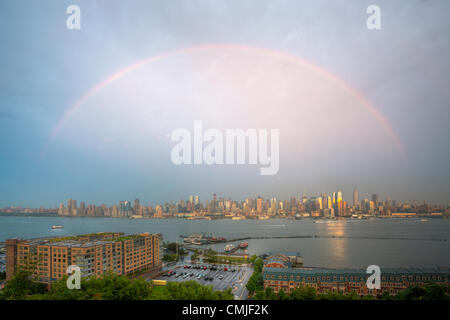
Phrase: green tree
x=434 y=291
x=195 y=255
x=20 y=286
x=303 y=293
x=430 y=291
x=270 y=294
x=192 y=290
x=412 y=293
x=260 y=295
x=172 y=247
x=386 y=296
x=255 y=282
x=282 y=295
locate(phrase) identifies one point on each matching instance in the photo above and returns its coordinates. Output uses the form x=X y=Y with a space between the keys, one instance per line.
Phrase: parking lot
x=221 y=277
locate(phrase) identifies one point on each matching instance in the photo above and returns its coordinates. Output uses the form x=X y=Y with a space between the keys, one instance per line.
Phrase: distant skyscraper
x=375 y=199
x=72 y=207
x=158 y=211
x=136 y=206
x=337 y=202
x=82 y=208
x=214 y=204
x=259 y=205
x=304 y=198
x=125 y=208
x=355 y=197
x=61 y=209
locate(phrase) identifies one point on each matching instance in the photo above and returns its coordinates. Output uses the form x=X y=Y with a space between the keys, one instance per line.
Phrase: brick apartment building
x=95 y=254
x=280 y=272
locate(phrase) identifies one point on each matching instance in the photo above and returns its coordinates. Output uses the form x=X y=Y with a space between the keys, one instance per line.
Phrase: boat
x=228 y=248
x=199 y=218
x=243 y=245
x=57 y=227
x=325 y=221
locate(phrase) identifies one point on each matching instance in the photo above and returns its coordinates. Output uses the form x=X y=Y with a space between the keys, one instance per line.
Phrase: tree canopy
x=109 y=287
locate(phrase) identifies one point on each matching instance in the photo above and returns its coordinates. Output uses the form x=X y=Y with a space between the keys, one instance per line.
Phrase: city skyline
x=197 y=203
x=88 y=113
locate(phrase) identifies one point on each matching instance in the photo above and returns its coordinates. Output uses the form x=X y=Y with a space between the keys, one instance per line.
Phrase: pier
x=223 y=240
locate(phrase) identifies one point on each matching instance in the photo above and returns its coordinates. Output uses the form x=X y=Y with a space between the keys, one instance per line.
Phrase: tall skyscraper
x=125 y=208
x=355 y=198
x=82 y=208
x=304 y=198
x=214 y=204
x=61 y=209
x=136 y=206
x=375 y=199
x=259 y=206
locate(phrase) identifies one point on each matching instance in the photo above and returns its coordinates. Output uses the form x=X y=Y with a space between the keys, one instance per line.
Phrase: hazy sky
x=116 y=147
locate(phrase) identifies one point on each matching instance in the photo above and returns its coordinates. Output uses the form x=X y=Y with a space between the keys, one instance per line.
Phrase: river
x=348 y=243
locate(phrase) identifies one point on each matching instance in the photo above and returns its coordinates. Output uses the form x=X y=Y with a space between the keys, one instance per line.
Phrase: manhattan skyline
x=87 y=114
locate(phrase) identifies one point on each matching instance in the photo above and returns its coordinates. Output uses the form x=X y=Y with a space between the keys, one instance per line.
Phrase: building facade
x=95 y=254
x=279 y=274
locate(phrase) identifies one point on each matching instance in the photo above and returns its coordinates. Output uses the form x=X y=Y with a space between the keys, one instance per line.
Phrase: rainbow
x=276 y=54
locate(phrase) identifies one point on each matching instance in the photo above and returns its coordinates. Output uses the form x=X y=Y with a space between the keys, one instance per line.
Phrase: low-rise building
x=279 y=274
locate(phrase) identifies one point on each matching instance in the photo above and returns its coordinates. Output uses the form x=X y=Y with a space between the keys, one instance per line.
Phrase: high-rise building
x=355 y=198
x=329 y=203
x=125 y=209
x=259 y=206
x=375 y=199
x=214 y=204
x=136 y=206
x=304 y=197
x=337 y=203
x=69 y=206
x=158 y=212
x=82 y=209
x=61 y=209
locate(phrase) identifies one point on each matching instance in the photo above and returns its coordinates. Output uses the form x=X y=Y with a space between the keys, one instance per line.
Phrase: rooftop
x=361 y=272
x=83 y=240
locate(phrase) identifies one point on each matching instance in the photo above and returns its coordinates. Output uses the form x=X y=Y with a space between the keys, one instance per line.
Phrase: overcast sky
x=115 y=146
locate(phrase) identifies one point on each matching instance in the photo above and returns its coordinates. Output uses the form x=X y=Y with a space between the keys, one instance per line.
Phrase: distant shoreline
x=56 y=215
